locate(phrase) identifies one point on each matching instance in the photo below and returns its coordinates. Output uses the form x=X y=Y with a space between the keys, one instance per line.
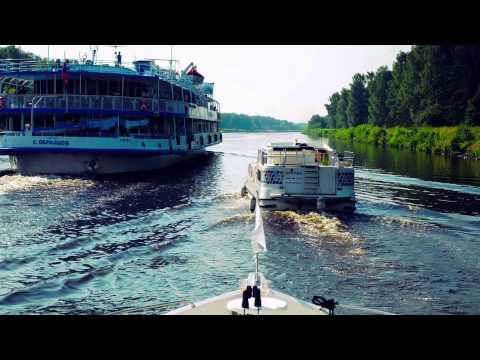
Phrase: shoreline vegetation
x=428 y=101
x=460 y=140
x=257 y=131
x=232 y=122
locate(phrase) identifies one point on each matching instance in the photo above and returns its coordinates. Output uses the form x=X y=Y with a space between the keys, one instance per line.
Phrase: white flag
x=258 y=237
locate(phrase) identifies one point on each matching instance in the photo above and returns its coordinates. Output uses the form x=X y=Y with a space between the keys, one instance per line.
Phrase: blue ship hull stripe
x=27 y=150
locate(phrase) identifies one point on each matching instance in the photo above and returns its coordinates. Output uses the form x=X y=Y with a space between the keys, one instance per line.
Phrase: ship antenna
x=171 y=61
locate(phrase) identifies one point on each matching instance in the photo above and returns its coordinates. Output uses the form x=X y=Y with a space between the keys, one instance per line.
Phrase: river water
x=93 y=246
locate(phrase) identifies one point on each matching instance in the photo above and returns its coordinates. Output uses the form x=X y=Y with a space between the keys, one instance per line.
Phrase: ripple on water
x=51 y=288
x=406 y=222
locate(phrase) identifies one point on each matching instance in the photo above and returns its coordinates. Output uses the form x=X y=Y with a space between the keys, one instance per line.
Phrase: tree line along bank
x=429 y=101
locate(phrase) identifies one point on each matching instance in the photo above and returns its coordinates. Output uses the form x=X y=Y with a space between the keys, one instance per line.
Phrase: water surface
x=98 y=245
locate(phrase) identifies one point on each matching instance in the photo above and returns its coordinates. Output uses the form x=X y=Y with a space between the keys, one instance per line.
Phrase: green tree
x=332 y=110
x=377 y=101
x=462 y=81
x=435 y=90
x=472 y=113
x=341 y=119
x=398 y=94
x=357 y=110
x=317 y=121
x=413 y=85
x=241 y=122
x=13 y=52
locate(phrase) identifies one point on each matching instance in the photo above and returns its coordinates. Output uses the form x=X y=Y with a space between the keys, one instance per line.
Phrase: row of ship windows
x=109 y=88
x=81 y=125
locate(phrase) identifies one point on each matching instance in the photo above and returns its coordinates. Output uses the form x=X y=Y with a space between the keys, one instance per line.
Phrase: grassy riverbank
x=255 y=131
x=438 y=140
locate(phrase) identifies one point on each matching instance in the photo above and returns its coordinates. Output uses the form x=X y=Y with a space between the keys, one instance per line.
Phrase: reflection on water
x=99 y=245
x=411 y=164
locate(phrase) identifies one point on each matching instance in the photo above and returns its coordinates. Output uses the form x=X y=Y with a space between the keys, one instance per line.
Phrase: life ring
x=92 y=166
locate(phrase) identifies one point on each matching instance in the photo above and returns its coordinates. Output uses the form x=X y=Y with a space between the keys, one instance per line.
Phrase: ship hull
x=60 y=155
x=92 y=163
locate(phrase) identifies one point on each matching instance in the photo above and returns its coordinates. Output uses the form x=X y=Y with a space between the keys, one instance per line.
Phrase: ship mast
x=94 y=49
x=172 y=72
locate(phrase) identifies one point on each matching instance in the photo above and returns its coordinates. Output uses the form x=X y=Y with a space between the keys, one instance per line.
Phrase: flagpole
x=171 y=60
x=258 y=243
x=256 y=268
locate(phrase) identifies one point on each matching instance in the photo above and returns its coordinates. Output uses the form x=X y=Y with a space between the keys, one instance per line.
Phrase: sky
x=288 y=82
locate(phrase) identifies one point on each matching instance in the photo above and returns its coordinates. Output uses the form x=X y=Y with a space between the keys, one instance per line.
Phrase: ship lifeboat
x=195 y=76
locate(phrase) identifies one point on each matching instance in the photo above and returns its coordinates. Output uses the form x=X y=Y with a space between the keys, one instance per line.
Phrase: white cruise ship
x=87 y=116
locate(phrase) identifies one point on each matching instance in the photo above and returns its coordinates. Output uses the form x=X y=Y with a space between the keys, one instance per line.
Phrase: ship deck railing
x=32 y=65
x=346 y=159
x=21 y=65
x=106 y=103
x=307 y=158
x=10 y=66
x=297 y=157
x=100 y=66
x=12 y=133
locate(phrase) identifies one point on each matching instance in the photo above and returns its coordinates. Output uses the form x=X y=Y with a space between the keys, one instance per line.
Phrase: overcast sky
x=287 y=82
